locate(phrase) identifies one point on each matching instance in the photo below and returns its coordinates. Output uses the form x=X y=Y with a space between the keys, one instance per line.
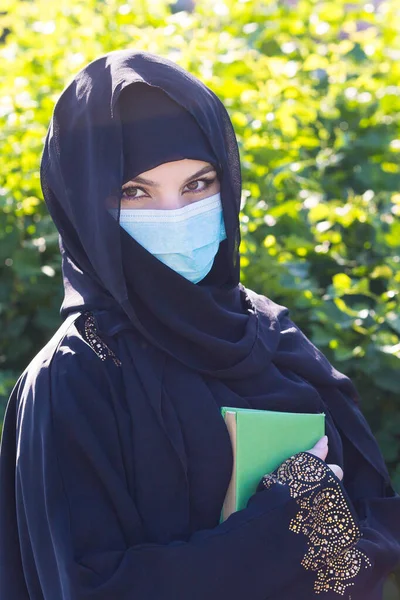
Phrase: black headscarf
x=232 y=337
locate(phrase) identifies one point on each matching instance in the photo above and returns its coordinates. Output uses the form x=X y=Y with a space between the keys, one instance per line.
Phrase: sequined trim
x=325 y=518
x=95 y=342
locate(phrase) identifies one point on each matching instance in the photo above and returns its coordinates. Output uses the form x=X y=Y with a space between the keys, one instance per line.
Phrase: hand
x=321 y=450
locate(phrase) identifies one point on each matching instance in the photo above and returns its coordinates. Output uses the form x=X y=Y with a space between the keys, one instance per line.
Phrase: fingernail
x=322 y=442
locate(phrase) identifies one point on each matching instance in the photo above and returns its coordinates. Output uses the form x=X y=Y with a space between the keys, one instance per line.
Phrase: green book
x=261 y=441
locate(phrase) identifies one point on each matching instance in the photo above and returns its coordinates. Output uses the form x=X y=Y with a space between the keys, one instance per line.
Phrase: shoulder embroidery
x=325 y=518
x=94 y=340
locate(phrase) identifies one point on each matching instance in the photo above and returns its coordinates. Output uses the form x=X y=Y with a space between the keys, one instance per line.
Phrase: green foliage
x=313 y=94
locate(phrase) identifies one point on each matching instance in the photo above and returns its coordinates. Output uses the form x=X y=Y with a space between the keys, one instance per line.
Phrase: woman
x=115 y=459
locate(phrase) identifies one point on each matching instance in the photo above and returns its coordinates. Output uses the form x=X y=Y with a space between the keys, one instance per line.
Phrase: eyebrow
x=153 y=183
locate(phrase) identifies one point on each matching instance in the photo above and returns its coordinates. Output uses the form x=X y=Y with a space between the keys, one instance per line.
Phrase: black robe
x=115 y=459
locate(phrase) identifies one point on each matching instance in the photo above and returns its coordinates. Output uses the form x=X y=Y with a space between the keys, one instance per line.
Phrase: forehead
x=181 y=170
x=178 y=166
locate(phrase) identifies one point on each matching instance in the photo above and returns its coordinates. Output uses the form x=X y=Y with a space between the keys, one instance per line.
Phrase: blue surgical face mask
x=185 y=239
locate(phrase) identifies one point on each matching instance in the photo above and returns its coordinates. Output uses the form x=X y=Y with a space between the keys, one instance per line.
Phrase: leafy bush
x=313 y=93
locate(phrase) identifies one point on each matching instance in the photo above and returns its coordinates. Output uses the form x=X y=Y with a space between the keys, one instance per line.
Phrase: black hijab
x=233 y=337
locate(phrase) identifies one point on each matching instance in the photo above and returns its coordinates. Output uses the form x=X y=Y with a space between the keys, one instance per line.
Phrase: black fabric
x=157 y=130
x=113 y=474
x=110 y=498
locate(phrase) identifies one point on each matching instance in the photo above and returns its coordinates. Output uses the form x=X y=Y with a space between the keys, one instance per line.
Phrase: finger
x=320 y=452
x=337 y=470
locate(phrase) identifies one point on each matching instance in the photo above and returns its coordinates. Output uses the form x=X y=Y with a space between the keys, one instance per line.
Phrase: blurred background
x=312 y=88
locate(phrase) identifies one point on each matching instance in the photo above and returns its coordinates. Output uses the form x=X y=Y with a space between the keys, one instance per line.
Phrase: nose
x=173 y=202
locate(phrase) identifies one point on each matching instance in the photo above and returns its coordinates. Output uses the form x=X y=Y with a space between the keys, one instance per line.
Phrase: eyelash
x=207 y=181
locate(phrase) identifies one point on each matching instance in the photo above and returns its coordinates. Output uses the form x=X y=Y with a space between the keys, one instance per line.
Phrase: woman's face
x=171 y=185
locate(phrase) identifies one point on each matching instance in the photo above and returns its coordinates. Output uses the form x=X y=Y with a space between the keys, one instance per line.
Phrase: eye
x=198 y=189
x=126 y=192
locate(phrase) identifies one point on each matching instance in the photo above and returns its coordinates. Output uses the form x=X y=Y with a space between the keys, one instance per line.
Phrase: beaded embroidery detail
x=95 y=342
x=326 y=520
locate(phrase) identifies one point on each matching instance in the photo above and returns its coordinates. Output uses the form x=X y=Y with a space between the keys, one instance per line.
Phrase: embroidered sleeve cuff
x=325 y=517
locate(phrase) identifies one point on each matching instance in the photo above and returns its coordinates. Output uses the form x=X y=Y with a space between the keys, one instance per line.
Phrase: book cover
x=261 y=441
